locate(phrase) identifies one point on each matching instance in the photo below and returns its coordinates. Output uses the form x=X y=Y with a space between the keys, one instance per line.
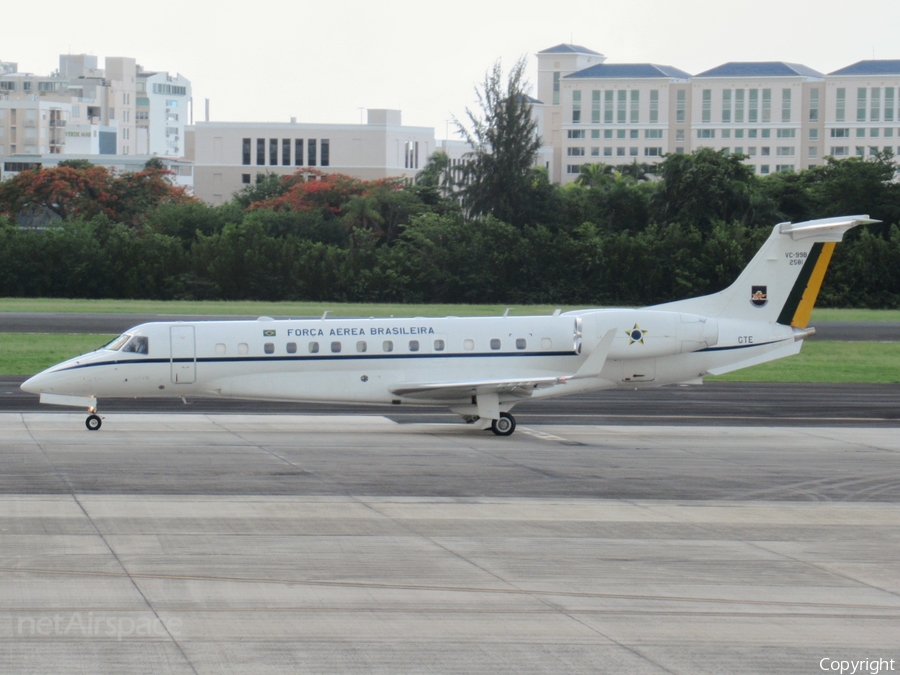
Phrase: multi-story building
x=228 y=155
x=119 y=109
x=782 y=116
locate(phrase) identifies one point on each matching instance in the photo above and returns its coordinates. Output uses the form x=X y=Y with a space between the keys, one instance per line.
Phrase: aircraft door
x=184 y=354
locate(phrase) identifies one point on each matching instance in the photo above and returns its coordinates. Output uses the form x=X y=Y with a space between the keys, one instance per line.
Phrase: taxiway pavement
x=319 y=544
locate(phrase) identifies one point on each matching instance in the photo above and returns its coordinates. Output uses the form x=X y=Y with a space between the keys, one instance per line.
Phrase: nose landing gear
x=93 y=422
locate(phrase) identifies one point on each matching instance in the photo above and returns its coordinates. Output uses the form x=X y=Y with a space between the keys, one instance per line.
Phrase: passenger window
x=291 y=347
x=546 y=343
x=361 y=346
x=336 y=347
x=137 y=345
x=388 y=346
x=520 y=343
x=495 y=343
x=243 y=348
x=468 y=345
x=413 y=345
x=438 y=345
x=269 y=348
x=313 y=347
x=220 y=349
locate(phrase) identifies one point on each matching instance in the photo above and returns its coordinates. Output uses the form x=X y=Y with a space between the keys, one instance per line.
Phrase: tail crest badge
x=758 y=296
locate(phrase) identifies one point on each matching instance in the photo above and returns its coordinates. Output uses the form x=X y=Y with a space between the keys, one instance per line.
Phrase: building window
x=653 y=133
x=273 y=151
x=840 y=102
x=860 y=133
x=298 y=152
x=632 y=152
x=861 y=104
x=556 y=88
x=621 y=104
x=765 y=151
x=326 y=153
x=575 y=133
x=813 y=152
x=311 y=152
x=680 y=106
x=654 y=106
x=784 y=151
x=813 y=134
x=286 y=151
x=764 y=169
x=607 y=133
x=607 y=152
x=573 y=168
x=635 y=106
x=633 y=133
x=753 y=106
x=679 y=135
x=785 y=105
x=726 y=106
x=595 y=133
x=411 y=152
x=888 y=104
x=873 y=133
x=814 y=104
x=653 y=152
x=607 y=107
x=620 y=152
x=766 y=106
x=786 y=133
x=706 y=133
x=245 y=178
x=576 y=107
x=706 y=110
x=575 y=152
x=595 y=107
x=739 y=106
x=840 y=133
x=245 y=147
x=875 y=105
x=620 y=133
x=260 y=151
x=726 y=133
x=779 y=168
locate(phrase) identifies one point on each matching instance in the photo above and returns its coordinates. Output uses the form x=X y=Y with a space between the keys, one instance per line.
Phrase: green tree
x=497 y=173
x=703 y=187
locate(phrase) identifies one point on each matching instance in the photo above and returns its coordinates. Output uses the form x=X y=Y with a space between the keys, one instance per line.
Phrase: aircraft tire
x=505 y=425
x=93 y=422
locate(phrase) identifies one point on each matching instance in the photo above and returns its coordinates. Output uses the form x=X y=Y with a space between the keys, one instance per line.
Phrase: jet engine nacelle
x=646 y=333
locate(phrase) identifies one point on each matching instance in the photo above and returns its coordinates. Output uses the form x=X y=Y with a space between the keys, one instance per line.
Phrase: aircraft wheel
x=93 y=422
x=505 y=425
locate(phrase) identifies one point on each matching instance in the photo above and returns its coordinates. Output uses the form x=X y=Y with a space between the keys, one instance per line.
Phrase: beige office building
x=228 y=155
x=782 y=116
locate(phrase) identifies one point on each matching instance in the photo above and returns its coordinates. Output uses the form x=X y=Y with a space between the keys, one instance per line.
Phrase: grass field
x=28 y=353
x=298 y=309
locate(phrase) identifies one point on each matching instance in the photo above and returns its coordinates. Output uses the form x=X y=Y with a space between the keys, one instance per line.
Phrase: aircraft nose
x=33 y=385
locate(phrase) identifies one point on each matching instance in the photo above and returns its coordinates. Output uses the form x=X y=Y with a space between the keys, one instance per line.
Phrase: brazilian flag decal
x=268 y=333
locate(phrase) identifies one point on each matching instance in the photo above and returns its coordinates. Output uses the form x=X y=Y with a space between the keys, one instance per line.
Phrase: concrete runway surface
x=196 y=543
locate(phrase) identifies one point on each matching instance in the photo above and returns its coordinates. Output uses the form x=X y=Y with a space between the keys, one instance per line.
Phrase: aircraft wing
x=590 y=367
x=458 y=390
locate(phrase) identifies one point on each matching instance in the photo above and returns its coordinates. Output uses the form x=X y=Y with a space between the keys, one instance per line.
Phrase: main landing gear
x=93 y=422
x=505 y=425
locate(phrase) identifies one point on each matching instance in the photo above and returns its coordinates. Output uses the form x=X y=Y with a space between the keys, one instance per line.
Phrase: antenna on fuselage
x=506 y=313
x=324 y=314
x=557 y=311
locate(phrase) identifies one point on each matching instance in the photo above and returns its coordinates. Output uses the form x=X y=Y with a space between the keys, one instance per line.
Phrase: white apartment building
x=783 y=116
x=116 y=110
x=228 y=155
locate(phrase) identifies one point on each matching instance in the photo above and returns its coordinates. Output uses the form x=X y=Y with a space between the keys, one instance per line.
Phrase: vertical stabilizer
x=782 y=281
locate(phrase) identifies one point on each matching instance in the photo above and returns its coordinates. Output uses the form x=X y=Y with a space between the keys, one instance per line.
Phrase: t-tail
x=782 y=281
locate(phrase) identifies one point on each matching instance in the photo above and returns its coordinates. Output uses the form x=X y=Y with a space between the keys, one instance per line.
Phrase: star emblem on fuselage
x=636 y=334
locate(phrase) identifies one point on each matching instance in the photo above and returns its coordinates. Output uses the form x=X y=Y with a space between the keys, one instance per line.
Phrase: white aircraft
x=478 y=367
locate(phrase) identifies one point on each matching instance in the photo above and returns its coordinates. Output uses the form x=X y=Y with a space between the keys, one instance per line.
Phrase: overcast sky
x=270 y=60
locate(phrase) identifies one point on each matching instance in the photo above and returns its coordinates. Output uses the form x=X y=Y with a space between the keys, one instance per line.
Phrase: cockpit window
x=116 y=344
x=138 y=345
